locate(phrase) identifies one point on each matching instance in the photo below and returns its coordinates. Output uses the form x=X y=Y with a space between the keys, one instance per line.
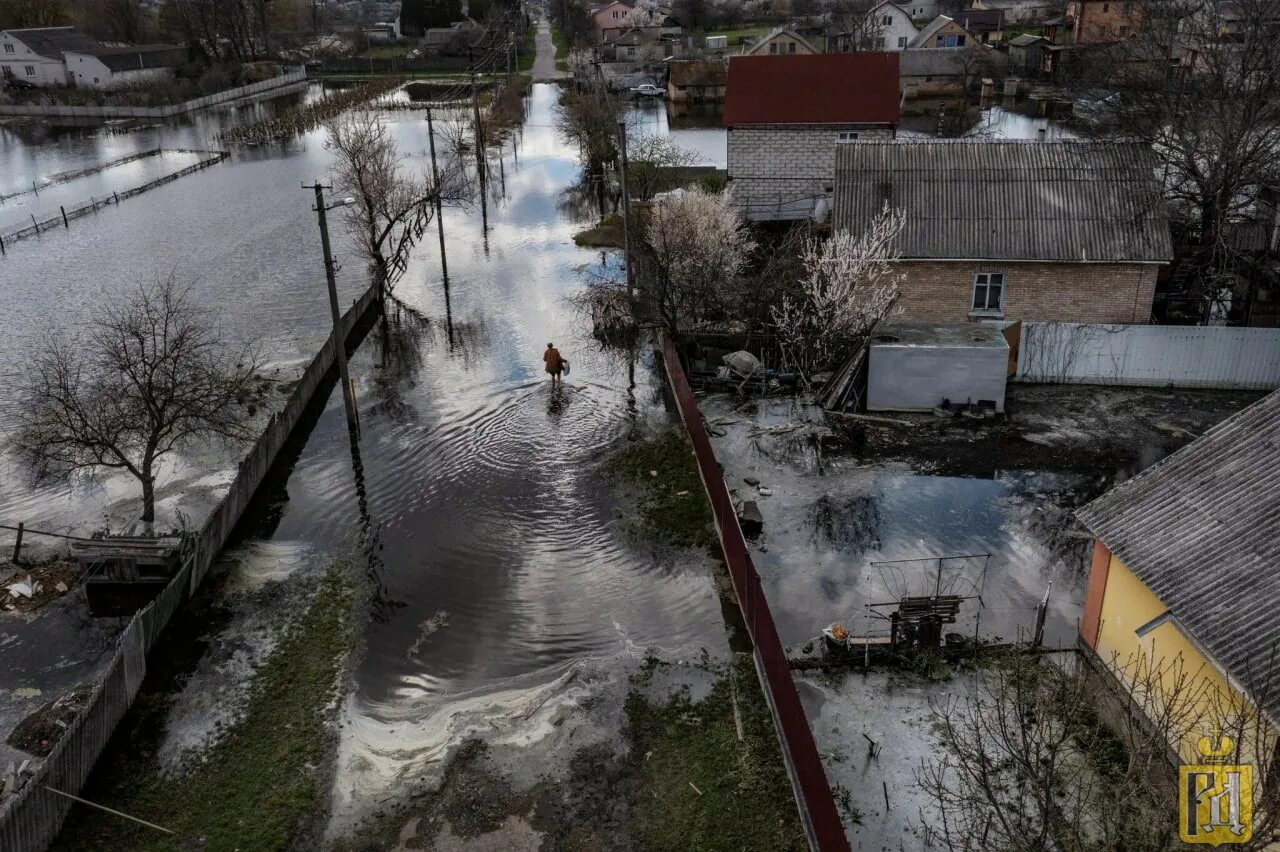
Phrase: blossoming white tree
x=696 y=247
x=849 y=285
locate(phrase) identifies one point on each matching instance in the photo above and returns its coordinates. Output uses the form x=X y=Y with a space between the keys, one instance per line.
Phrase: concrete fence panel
x=1152 y=355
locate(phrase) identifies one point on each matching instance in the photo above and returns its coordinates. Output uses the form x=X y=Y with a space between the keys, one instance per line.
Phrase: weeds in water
x=256 y=788
x=674 y=506
x=700 y=787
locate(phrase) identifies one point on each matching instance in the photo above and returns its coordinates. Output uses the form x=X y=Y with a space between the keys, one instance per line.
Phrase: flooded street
x=502 y=580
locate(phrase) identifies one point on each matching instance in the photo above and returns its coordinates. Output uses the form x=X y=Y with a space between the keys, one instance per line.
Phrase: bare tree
x=589 y=118
x=656 y=163
x=853 y=28
x=1198 y=81
x=150 y=377
x=392 y=207
x=849 y=284
x=1030 y=765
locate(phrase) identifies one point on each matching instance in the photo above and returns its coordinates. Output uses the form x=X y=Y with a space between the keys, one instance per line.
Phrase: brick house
x=1014 y=230
x=786 y=115
x=1101 y=21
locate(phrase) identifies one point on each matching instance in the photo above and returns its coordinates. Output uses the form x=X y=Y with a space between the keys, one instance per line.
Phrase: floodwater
x=498 y=559
x=840 y=537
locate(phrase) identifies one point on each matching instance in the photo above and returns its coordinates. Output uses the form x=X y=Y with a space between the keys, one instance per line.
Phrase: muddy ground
x=1090 y=430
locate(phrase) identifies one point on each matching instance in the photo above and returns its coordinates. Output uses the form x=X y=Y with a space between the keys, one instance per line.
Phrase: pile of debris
x=38 y=733
x=26 y=589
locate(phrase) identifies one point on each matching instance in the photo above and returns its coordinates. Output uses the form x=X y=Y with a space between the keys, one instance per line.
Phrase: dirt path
x=544 y=63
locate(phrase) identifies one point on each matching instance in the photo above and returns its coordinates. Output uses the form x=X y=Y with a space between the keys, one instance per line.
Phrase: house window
x=902 y=42
x=988 y=293
x=1123 y=30
x=847 y=136
x=773 y=47
x=615 y=16
x=1106 y=7
x=31 y=70
x=886 y=20
x=791 y=48
x=8 y=48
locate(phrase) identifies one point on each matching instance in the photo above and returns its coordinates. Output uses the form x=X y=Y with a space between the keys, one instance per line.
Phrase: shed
x=916 y=367
x=717 y=42
x=124 y=573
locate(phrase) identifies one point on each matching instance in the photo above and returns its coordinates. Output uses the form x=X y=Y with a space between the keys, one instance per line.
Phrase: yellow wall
x=1127 y=605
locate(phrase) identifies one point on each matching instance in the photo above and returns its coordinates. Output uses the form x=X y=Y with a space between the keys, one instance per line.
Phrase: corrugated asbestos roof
x=51 y=42
x=826 y=88
x=1008 y=200
x=1200 y=529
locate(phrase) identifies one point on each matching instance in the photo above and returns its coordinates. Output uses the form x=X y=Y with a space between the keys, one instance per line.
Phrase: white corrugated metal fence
x=1153 y=355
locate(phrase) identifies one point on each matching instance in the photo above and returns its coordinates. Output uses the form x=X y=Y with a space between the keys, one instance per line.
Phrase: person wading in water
x=554 y=362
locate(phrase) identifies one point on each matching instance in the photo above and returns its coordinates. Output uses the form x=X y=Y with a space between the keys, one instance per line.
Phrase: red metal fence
x=808 y=778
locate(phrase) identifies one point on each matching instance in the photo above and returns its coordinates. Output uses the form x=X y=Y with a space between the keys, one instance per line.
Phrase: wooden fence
x=804 y=767
x=31 y=818
x=64 y=217
x=292 y=77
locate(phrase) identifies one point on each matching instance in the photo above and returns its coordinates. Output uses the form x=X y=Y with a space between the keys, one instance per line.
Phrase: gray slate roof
x=1064 y=201
x=935 y=61
x=139 y=56
x=1201 y=530
x=51 y=42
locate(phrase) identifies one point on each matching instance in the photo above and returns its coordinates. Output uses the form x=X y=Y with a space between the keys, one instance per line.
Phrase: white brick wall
x=777 y=171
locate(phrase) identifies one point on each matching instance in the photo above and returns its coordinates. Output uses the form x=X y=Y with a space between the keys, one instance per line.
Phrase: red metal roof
x=826 y=88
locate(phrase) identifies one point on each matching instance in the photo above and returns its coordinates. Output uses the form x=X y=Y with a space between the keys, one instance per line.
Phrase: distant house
x=781 y=42
x=1022 y=11
x=1185 y=580
x=382 y=33
x=1032 y=56
x=36 y=55
x=787 y=115
x=987 y=25
x=920 y=10
x=894 y=25
x=943 y=31
x=1014 y=230
x=1101 y=21
x=457 y=39
x=697 y=82
x=615 y=14
x=940 y=72
x=116 y=67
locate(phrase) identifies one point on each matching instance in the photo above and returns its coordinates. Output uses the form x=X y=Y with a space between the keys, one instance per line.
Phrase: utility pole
x=626 y=212
x=479 y=133
x=435 y=180
x=339 y=339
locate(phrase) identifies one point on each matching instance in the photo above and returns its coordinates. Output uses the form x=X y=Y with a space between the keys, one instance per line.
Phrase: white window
x=902 y=42
x=8 y=48
x=847 y=136
x=988 y=293
x=31 y=70
x=886 y=20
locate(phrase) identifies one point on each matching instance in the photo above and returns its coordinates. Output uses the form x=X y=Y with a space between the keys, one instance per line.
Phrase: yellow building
x=1183 y=602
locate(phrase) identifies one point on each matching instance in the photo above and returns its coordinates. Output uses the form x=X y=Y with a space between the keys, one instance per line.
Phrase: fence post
x=34 y=222
x=17 y=545
x=63 y=210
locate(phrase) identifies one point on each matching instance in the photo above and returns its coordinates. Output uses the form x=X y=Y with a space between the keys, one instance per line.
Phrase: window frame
x=9 y=48
x=29 y=70
x=986 y=280
x=847 y=136
x=902 y=42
